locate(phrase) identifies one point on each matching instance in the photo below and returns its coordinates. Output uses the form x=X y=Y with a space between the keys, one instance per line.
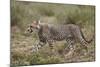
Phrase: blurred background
x=23 y=13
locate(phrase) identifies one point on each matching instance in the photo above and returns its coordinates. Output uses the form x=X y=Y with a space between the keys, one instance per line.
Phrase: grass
x=21 y=52
x=22 y=14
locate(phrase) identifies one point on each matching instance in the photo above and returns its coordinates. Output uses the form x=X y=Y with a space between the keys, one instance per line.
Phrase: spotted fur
x=49 y=33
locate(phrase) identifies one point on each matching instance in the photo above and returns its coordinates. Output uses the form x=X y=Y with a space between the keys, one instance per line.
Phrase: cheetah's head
x=35 y=26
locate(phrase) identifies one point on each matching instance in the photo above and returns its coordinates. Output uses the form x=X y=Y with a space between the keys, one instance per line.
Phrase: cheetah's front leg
x=37 y=46
x=50 y=42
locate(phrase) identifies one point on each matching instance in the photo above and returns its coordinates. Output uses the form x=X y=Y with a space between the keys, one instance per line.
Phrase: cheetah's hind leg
x=71 y=47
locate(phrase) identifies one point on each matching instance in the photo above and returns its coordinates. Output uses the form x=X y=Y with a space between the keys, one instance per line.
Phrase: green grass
x=23 y=13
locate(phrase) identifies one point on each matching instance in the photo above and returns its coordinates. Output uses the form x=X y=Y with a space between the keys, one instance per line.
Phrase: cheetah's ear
x=36 y=22
x=39 y=22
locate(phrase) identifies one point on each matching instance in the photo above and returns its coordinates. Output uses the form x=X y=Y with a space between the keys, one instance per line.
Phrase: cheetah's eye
x=28 y=30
